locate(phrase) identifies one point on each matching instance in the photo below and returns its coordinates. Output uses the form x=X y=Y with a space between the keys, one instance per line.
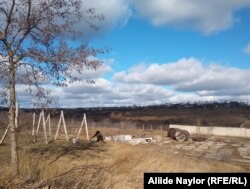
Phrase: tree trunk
x=13 y=132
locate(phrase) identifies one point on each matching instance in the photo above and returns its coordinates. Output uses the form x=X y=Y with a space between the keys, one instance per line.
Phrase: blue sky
x=139 y=41
x=166 y=51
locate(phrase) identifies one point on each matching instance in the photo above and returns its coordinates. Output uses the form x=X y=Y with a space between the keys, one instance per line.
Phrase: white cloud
x=208 y=17
x=116 y=13
x=143 y=85
x=166 y=74
x=106 y=93
x=186 y=80
x=75 y=91
x=191 y=98
x=247 y=49
x=191 y=75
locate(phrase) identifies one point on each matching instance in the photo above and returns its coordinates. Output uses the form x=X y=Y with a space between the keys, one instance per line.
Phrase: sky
x=164 y=51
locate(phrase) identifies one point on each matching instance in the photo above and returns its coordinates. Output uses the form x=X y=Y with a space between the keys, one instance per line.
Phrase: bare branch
x=36 y=37
x=9 y=17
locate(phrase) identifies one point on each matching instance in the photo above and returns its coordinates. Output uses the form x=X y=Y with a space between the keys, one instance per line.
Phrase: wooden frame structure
x=44 y=123
x=84 y=122
x=64 y=126
x=41 y=118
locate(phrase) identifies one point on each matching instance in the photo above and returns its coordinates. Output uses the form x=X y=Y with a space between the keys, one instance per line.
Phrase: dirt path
x=234 y=151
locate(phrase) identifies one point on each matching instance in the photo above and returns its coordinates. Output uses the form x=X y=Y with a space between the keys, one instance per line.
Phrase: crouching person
x=99 y=137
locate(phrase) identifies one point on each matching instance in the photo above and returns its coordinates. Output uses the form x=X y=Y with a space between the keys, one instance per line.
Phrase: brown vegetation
x=203 y=115
x=95 y=165
x=62 y=164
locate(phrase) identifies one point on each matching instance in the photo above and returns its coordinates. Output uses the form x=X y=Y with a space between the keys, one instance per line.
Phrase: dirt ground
x=230 y=150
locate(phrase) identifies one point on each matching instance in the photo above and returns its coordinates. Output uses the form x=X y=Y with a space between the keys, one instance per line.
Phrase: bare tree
x=36 y=47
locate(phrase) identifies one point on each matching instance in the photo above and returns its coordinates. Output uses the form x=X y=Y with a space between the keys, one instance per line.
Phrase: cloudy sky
x=165 y=51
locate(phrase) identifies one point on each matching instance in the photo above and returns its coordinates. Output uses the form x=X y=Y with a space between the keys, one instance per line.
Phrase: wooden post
x=48 y=120
x=33 y=124
x=33 y=128
x=84 y=122
x=78 y=134
x=44 y=127
x=4 y=135
x=86 y=126
x=58 y=126
x=64 y=126
x=16 y=123
x=50 y=131
x=41 y=118
x=38 y=124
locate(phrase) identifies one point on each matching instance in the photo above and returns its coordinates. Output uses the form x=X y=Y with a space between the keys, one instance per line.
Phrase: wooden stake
x=64 y=125
x=65 y=129
x=48 y=120
x=58 y=126
x=41 y=118
x=84 y=121
x=78 y=134
x=44 y=127
x=33 y=124
x=4 y=135
x=86 y=126
x=16 y=124
x=39 y=121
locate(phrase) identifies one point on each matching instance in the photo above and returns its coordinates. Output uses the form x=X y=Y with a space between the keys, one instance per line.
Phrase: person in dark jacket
x=99 y=137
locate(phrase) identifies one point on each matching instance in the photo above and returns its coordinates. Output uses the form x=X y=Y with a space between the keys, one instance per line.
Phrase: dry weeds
x=61 y=164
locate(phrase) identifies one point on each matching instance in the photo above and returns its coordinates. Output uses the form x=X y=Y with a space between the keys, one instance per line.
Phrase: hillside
x=232 y=114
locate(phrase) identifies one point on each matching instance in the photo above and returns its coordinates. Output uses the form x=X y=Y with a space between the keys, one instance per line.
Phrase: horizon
x=198 y=103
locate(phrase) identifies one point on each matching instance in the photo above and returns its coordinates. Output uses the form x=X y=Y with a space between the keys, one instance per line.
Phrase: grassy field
x=87 y=164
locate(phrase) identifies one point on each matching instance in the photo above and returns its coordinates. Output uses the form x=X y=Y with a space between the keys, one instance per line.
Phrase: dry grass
x=95 y=165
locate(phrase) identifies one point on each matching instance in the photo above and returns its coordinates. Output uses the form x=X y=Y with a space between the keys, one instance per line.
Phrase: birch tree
x=36 y=46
